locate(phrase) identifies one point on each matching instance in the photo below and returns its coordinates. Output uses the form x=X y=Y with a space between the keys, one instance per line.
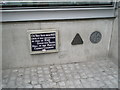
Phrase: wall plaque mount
x=95 y=37
x=43 y=41
x=77 y=40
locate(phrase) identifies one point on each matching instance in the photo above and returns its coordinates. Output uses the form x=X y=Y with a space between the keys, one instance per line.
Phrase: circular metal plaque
x=95 y=37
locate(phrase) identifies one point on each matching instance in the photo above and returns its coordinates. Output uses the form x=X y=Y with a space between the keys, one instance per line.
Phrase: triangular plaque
x=77 y=40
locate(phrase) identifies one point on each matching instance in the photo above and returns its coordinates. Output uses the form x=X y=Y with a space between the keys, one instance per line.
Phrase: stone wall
x=16 y=52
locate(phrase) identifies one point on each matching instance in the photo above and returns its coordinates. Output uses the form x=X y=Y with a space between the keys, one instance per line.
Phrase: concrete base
x=15 y=42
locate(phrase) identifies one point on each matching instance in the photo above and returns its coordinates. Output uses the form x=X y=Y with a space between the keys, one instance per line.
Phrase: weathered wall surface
x=114 y=43
x=113 y=54
x=15 y=42
x=0 y=54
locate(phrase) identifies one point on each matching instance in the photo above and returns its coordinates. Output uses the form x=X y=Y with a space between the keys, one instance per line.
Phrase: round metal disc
x=95 y=37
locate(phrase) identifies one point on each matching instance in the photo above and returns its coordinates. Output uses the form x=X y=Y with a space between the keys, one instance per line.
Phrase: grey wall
x=16 y=44
x=0 y=55
x=0 y=52
x=113 y=53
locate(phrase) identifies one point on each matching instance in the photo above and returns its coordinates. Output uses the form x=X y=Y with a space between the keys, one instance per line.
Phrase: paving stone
x=39 y=71
x=34 y=82
x=28 y=86
x=40 y=75
x=27 y=71
x=93 y=83
x=63 y=77
x=76 y=75
x=26 y=76
x=33 y=74
x=53 y=85
x=90 y=75
x=116 y=76
x=69 y=76
x=19 y=84
x=113 y=80
x=62 y=84
x=11 y=84
x=45 y=68
x=46 y=72
x=21 y=70
x=33 y=69
x=93 y=74
x=85 y=83
x=71 y=67
x=81 y=71
x=20 y=74
x=47 y=76
x=99 y=82
x=77 y=83
x=53 y=70
x=27 y=81
x=60 y=71
x=54 y=74
x=56 y=79
x=108 y=82
x=37 y=86
x=49 y=80
x=83 y=75
x=4 y=81
x=4 y=86
x=5 y=76
x=45 y=85
x=67 y=71
x=64 y=66
x=70 y=84
x=13 y=78
x=34 y=78
x=41 y=80
x=111 y=77
x=58 y=67
x=39 y=68
x=19 y=79
x=77 y=66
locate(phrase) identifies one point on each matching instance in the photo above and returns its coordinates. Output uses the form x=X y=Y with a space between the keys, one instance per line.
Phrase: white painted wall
x=16 y=43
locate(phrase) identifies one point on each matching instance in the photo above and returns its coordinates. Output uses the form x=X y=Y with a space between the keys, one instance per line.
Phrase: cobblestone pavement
x=93 y=74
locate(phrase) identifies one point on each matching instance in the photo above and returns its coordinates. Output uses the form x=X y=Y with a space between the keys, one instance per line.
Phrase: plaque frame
x=43 y=31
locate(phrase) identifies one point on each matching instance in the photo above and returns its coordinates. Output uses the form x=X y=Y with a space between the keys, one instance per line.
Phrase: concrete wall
x=113 y=53
x=16 y=44
x=0 y=54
